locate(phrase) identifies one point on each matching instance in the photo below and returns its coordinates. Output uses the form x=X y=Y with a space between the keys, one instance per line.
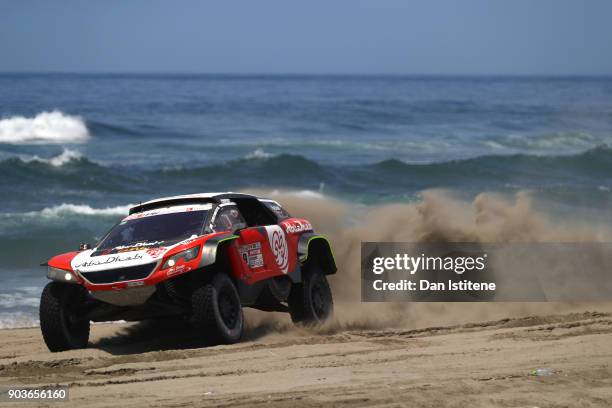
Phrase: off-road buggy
x=202 y=257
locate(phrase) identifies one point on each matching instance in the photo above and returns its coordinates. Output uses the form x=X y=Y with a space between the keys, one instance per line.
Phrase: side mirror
x=83 y=247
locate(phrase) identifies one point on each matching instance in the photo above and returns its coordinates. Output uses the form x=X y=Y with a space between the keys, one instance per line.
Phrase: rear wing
x=171 y=202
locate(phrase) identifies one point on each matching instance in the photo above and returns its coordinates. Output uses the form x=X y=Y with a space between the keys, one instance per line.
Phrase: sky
x=462 y=37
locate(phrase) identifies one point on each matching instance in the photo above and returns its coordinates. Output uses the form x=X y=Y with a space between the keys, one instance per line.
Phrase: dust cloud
x=440 y=216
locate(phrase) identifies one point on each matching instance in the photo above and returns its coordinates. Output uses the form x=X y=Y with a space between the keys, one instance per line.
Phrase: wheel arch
x=213 y=249
x=314 y=249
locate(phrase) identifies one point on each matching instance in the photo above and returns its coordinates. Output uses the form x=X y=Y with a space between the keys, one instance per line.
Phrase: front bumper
x=128 y=297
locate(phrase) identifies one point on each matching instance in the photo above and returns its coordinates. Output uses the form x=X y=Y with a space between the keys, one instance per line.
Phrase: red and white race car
x=200 y=256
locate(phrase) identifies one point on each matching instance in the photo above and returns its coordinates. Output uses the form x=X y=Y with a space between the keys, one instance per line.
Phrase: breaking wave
x=81 y=209
x=551 y=142
x=19 y=299
x=581 y=174
x=28 y=178
x=317 y=195
x=17 y=320
x=63 y=217
x=46 y=127
x=259 y=154
x=65 y=157
x=587 y=174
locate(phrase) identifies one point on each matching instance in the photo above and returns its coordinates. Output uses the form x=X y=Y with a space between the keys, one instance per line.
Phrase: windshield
x=156 y=229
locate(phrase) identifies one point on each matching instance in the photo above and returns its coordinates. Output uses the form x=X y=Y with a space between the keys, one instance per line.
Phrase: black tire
x=217 y=312
x=310 y=301
x=59 y=304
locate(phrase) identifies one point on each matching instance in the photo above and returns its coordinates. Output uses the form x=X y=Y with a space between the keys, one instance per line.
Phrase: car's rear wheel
x=217 y=312
x=310 y=301
x=61 y=327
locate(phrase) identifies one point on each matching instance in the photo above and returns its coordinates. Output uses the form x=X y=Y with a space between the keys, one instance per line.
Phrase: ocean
x=76 y=150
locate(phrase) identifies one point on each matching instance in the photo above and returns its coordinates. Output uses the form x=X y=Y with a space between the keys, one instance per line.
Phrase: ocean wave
x=18 y=320
x=281 y=166
x=301 y=173
x=74 y=158
x=259 y=154
x=65 y=157
x=80 y=209
x=547 y=142
x=46 y=127
x=26 y=177
x=111 y=129
x=591 y=159
x=71 y=172
x=317 y=195
x=55 y=219
x=18 y=299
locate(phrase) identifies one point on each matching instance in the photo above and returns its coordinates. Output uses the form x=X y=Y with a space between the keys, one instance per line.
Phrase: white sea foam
x=554 y=142
x=19 y=299
x=82 y=209
x=299 y=193
x=46 y=127
x=56 y=215
x=56 y=161
x=21 y=320
x=18 y=319
x=259 y=154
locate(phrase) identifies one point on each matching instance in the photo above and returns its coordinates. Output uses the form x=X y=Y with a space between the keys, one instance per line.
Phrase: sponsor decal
x=295 y=226
x=140 y=245
x=156 y=252
x=252 y=255
x=168 y=210
x=278 y=244
x=109 y=260
x=178 y=269
x=130 y=249
x=137 y=246
x=189 y=240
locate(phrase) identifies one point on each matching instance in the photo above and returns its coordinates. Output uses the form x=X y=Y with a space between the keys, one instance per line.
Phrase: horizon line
x=311 y=74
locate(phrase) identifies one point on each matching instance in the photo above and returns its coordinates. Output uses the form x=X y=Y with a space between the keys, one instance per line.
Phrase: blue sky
x=315 y=36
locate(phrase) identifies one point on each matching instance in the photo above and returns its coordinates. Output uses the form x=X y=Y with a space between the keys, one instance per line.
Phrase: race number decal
x=278 y=244
x=251 y=253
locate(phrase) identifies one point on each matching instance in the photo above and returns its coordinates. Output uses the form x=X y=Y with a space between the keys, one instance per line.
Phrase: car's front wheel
x=217 y=311
x=61 y=327
x=310 y=301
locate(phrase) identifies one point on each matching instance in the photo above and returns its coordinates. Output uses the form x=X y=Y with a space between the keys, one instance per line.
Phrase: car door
x=251 y=244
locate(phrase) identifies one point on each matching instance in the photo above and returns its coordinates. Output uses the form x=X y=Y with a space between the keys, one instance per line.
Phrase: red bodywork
x=251 y=254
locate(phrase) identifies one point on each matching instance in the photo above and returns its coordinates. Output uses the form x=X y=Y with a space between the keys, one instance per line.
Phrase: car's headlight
x=61 y=275
x=187 y=255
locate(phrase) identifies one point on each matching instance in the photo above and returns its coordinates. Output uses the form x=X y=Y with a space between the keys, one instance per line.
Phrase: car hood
x=93 y=260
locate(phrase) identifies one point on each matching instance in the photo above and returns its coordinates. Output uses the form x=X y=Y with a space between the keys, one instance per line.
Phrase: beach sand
x=470 y=365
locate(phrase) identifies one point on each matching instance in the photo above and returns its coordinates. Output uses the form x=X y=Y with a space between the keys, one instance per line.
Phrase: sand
x=470 y=365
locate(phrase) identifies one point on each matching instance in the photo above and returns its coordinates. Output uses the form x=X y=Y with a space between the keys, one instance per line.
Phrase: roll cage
x=255 y=212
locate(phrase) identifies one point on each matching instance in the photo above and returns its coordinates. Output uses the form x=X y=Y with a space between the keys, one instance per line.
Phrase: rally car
x=202 y=257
